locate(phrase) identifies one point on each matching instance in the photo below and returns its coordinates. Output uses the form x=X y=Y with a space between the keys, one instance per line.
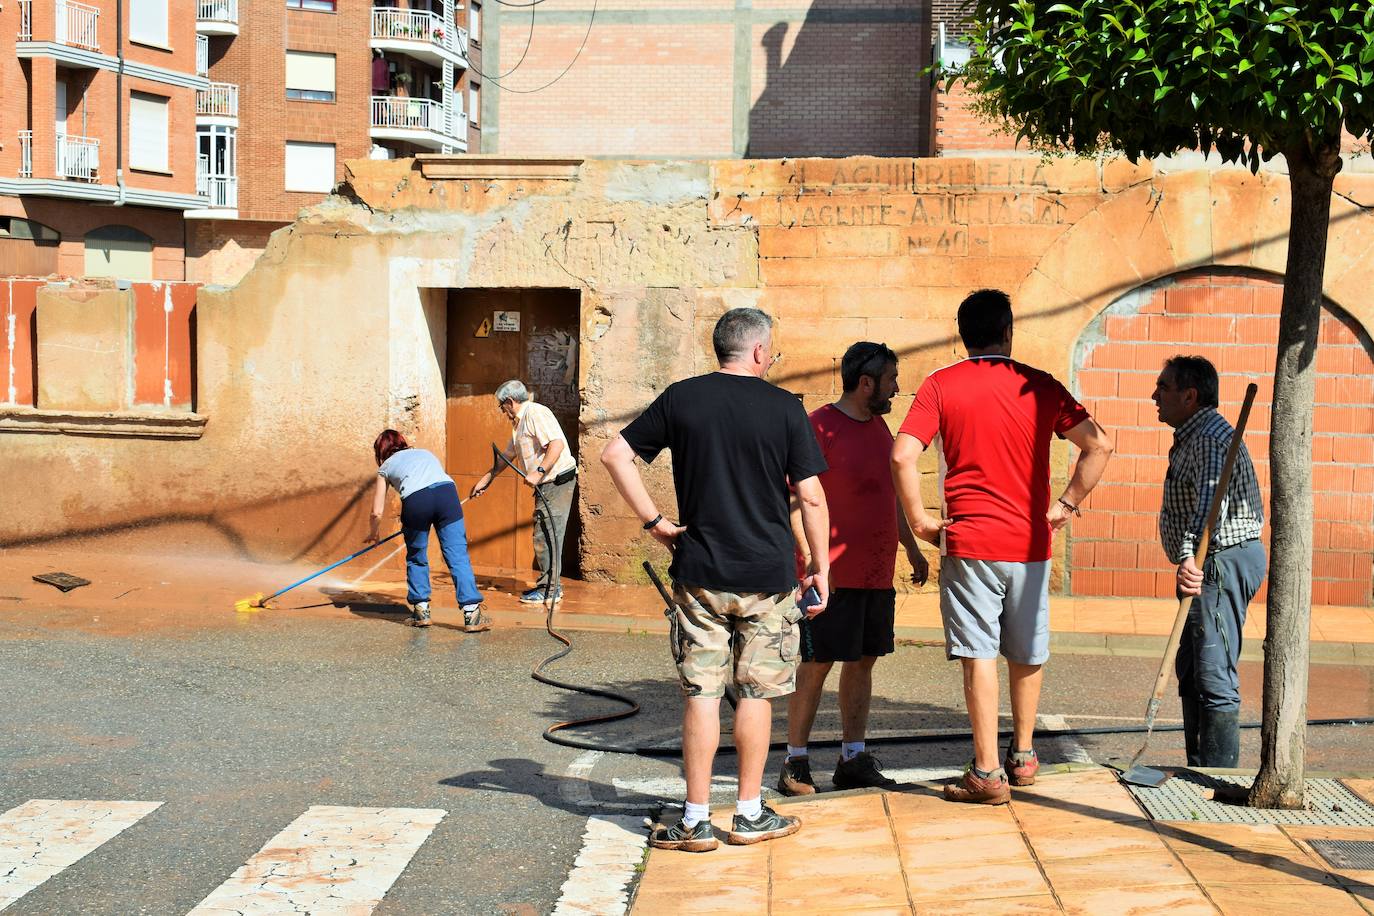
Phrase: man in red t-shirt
x=995 y=419
x=865 y=526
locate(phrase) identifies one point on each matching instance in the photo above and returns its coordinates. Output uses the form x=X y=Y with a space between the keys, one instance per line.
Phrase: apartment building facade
x=166 y=139
x=97 y=142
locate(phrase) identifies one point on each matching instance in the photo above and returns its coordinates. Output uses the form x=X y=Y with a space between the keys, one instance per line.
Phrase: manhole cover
x=1329 y=803
x=1348 y=854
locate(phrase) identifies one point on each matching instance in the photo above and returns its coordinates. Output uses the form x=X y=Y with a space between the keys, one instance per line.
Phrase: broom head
x=249 y=604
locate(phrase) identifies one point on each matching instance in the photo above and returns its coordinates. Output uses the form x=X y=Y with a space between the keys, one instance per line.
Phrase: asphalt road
x=238 y=731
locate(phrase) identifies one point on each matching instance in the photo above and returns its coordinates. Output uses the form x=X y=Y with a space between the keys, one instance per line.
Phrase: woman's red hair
x=387 y=444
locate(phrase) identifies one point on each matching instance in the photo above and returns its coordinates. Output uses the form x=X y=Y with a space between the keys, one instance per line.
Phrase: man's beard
x=879 y=406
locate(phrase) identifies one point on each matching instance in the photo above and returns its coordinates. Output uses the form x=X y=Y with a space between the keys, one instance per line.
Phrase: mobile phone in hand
x=810 y=598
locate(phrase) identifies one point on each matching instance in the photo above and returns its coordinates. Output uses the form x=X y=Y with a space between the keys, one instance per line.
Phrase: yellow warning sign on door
x=483 y=329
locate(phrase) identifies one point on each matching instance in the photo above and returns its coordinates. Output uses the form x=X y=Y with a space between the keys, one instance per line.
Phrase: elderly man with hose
x=736 y=442
x=1186 y=395
x=549 y=468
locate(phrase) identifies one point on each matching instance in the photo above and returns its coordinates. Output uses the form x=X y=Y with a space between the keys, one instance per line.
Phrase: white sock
x=750 y=808
x=695 y=814
x=851 y=749
x=795 y=751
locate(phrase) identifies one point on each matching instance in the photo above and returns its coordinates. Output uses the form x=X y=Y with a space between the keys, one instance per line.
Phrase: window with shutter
x=148 y=132
x=309 y=166
x=310 y=76
x=148 y=21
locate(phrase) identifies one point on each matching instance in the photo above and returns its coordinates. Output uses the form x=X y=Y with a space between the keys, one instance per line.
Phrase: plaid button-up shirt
x=1195 y=463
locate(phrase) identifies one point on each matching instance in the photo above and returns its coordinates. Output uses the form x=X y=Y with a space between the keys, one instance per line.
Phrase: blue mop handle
x=351 y=556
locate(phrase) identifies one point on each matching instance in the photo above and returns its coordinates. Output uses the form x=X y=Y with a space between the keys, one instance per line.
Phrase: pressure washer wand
x=258 y=601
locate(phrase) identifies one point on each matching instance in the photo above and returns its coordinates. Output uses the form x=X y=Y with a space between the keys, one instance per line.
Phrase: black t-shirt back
x=736 y=442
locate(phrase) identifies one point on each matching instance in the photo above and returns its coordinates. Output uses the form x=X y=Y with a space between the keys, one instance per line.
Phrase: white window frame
x=148 y=22
x=474 y=101
x=475 y=22
x=305 y=171
x=148 y=116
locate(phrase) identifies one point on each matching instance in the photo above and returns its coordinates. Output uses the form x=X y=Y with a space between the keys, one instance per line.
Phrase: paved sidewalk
x=1076 y=842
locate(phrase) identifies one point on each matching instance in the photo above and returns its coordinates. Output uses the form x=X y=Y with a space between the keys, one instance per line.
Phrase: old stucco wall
x=337 y=331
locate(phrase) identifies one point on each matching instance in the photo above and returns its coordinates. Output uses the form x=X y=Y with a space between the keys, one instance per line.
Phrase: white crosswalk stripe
x=43 y=836
x=329 y=860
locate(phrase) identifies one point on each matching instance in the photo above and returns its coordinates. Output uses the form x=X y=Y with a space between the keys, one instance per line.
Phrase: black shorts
x=857 y=622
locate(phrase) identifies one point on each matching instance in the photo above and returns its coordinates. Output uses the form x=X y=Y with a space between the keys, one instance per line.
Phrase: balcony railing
x=418 y=25
x=26 y=154
x=221 y=100
x=220 y=190
x=78 y=157
x=25 y=20
x=413 y=114
x=78 y=25
x=217 y=10
x=202 y=55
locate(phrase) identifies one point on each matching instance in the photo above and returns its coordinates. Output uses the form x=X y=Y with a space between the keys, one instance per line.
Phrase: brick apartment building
x=97 y=136
x=166 y=139
x=299 y=86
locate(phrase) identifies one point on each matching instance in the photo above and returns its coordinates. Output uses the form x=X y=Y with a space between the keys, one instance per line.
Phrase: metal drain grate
x=1329 y=803
x=1347 y=854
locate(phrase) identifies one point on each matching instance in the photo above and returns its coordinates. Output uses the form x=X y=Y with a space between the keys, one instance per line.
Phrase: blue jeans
x=437 y=507
x=1209 y=651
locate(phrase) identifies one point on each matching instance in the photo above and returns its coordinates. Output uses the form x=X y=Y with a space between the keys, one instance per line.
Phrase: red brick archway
x=1232 y=319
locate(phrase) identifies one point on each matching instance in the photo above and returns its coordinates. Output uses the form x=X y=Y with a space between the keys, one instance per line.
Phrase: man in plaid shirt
x=1208 y=683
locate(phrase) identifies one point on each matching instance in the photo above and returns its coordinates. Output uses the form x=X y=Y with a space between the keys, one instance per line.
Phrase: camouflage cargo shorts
x=750 y=640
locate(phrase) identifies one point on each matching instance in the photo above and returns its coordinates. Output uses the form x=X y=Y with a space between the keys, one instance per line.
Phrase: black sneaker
x=861 y=772
x=419 y=614
x=795 y=778
x=474 y=621
x=769 y=825
x=679 y=836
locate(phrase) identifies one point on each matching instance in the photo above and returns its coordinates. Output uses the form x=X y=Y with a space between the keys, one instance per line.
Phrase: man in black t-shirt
x=736 y=442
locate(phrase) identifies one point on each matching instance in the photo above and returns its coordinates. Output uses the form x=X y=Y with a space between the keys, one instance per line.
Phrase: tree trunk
x=1281 y=782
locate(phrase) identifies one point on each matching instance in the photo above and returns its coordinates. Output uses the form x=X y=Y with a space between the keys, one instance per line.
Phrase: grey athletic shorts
x=993 y=607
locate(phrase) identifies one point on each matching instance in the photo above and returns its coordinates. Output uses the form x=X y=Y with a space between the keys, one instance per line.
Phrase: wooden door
x=542 y=353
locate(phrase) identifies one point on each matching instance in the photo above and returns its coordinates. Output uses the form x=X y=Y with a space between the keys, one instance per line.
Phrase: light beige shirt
x=535 y=429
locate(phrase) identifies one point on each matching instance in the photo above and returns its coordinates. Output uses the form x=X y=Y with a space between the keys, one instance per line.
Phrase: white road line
x=598 y=885
x=575 y=787
x=330 y=859
x=41 y=837
x=1068 y=745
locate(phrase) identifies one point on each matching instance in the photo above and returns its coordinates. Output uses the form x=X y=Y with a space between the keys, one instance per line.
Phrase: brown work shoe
x=1021 y=767
x=419 y=614
x=795 y=778
x=474 y=621
x=991 y=789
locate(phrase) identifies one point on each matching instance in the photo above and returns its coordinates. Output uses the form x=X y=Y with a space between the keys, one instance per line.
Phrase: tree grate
x=1329 y=803
x=1354 y=855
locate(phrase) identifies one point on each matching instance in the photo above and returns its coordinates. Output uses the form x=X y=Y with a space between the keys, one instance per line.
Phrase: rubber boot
x=1219 y=738
x=1190 y=728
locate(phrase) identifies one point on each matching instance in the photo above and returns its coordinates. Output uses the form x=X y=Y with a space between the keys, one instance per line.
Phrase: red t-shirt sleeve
x=923 y=419
x=1071 y=413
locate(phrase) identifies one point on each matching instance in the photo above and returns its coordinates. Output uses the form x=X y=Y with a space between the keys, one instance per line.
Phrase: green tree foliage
x=1250 y=79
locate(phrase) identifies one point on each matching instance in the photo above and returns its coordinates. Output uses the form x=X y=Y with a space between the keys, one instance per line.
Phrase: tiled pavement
x=1077 y=842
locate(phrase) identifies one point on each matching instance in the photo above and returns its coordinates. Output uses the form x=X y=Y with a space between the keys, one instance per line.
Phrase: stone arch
x=1224 y=221
x=1230 y=316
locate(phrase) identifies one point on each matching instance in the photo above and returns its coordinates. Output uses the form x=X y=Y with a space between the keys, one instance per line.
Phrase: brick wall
x=957 y=128
x=255 y=60
x=663 y=78
x=1233 y=321
x=954 y=15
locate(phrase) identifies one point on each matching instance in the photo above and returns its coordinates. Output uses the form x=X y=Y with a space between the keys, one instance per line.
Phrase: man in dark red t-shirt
x=865 y=526
x=995 y=419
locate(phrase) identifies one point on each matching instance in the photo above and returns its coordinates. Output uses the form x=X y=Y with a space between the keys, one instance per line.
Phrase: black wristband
x=1070 y=506
x=657 y=519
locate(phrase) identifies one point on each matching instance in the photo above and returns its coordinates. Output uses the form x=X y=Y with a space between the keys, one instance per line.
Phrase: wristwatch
x=541 y=470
